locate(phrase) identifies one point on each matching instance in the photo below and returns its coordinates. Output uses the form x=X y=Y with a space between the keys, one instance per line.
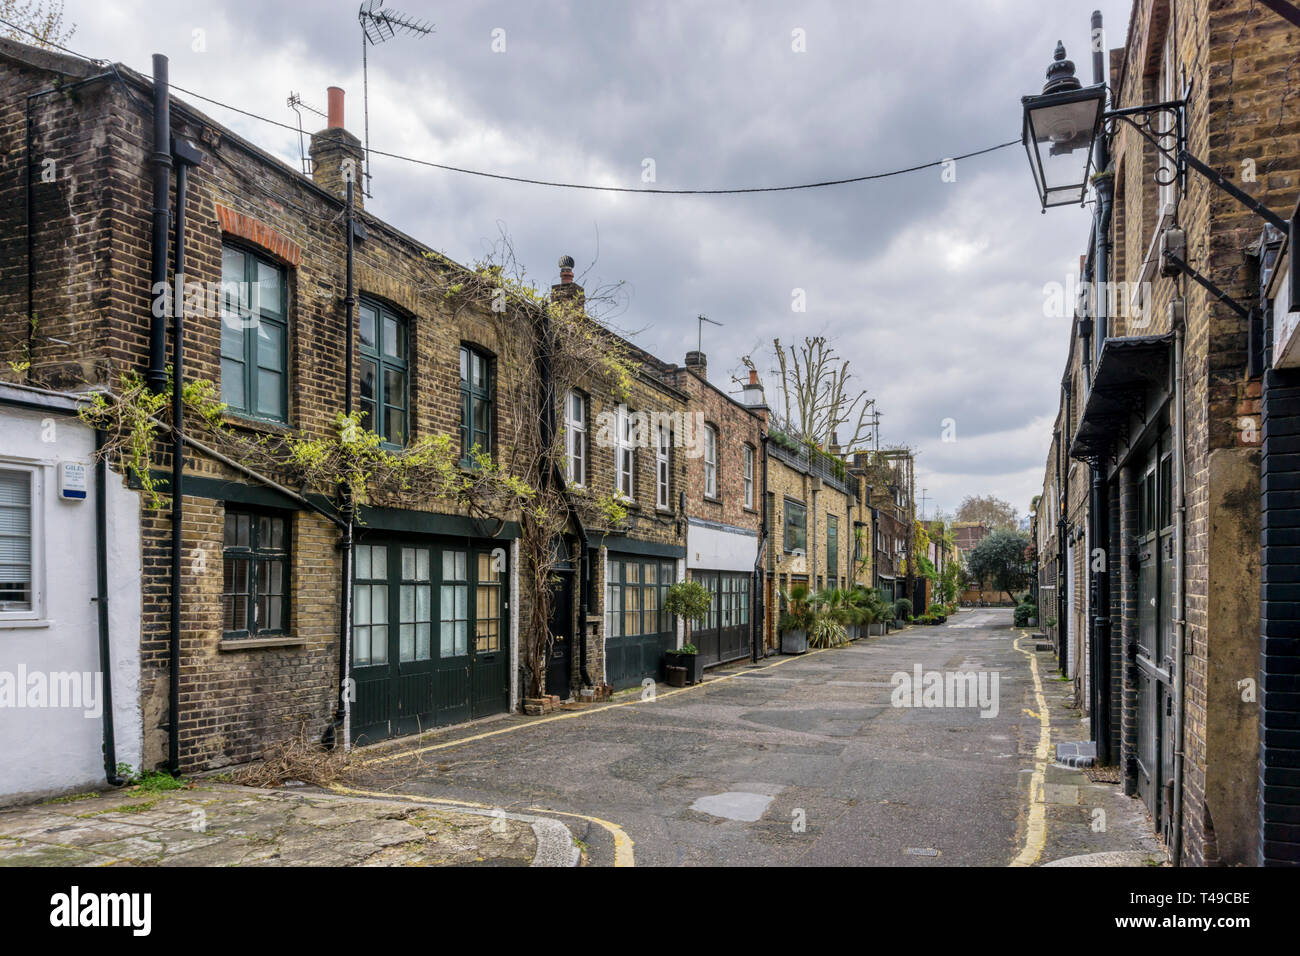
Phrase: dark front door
x=559 y=665
x=637 y=630
x=428 y=636
x=723 y=635
x=1155 y=561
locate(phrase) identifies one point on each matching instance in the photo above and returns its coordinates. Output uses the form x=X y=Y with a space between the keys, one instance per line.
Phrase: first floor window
x=254 y=335
x=710 y=462
x=663 y=466
x=384 y=401
x=15 y=540
x=255 y=574
x=749 y=476
x=575 y=431
x=796 y=526
x=832 y=545
x=625 y=454
x=476 y=388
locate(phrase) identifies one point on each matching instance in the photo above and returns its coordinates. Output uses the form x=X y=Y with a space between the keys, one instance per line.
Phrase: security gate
x=723 y=635
x=637 y=630
x=429 y=636
x=1155 y=637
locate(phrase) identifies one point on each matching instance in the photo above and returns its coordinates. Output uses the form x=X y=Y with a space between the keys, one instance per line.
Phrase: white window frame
x=749 y=476
x=35 y=613
x=710 y=462
x=625 y=457
x=663 y=467
x=575 y=429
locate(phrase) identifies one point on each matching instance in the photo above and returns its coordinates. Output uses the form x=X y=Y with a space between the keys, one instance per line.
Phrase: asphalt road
x=807 y=762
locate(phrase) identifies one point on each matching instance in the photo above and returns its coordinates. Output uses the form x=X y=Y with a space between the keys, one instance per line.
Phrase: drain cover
x=920 y=851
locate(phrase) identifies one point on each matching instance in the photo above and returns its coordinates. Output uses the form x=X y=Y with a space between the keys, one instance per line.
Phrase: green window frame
x=795 y=537
x=385 y=390
x=254 y=335
x=832 y=546
x=255 y=594
x=476 y=402
x=635 y=591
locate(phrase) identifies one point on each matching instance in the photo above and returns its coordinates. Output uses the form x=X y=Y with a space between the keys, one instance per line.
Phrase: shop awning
x=1127 y=367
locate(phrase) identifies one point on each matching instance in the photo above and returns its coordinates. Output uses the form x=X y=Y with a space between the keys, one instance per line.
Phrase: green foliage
x=826 y=631
x=799 y=613
x=1023 y=613
x=999 y=560
x=902 y=610
x=688 y=599
x=687 y=649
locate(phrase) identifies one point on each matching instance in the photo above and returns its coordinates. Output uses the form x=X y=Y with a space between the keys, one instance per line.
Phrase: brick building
x=1162 y=403
x=812 y=507
x=724 y=511
x=626 y=449
x=431 y=634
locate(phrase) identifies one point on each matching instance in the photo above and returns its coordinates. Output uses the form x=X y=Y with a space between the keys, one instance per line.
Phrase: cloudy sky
x=934 y=290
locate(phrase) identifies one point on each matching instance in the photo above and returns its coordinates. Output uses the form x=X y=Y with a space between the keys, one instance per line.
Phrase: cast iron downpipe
x=160 y=162
x=1099 y=507
x=339 y=726
x=1180 y=594
x=186 y=156
x=758 y=605
x=101 y=600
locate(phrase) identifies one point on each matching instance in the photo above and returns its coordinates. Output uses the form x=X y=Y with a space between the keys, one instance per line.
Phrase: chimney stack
x=336 y=155
x=699 y=362
x=752 y=395
x=566 y=288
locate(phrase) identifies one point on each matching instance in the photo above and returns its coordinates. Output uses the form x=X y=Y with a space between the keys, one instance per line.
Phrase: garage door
x=429 y=636
x=723 y=635
x=637 y=630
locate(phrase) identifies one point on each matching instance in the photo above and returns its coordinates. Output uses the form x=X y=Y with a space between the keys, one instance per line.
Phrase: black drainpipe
x=1100 y=505
x=101 y=599
x=334 y=730
x=161 y=162
x=186 y=156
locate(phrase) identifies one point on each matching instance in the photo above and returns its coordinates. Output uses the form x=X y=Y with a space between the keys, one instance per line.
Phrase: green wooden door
x=638 y=630
x=429 y=636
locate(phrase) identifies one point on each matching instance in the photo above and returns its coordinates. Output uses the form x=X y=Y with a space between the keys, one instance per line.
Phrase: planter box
x=794 y=642
x=676 y=676
x=692 y=664
x=851 y=631
x=877 y=628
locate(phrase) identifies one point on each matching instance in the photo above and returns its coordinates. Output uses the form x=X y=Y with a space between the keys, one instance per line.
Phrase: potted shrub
x=690 y=601
x=826 y=631
x=902 y=612
x=795 y=620
x=1026 y=615
x=688 y=658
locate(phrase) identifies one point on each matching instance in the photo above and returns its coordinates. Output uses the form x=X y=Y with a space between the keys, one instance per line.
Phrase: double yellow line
x=623 y=844
x=1036 y=825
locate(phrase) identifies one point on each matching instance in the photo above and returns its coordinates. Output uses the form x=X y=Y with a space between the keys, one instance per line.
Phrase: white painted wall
x=45 y=750
x=715 y=549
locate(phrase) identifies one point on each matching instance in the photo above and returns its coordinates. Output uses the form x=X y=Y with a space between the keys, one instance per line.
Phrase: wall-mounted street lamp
x=1061 y=126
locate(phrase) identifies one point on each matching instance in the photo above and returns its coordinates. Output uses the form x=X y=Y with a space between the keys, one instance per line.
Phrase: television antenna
x=378 y=26
x=296 y=104
x=699 y=330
